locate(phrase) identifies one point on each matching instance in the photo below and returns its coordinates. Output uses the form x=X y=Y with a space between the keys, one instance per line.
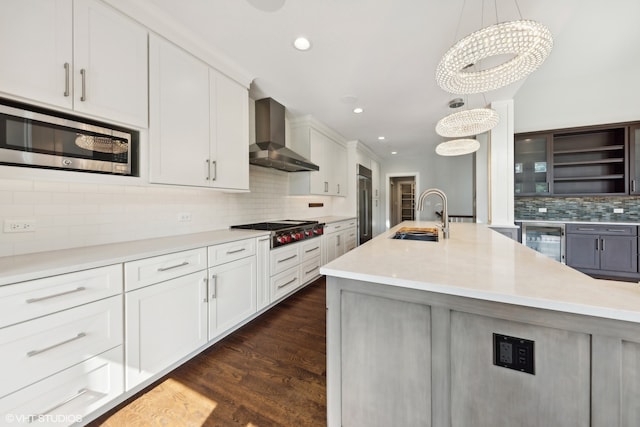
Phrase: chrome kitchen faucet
x=445 y=211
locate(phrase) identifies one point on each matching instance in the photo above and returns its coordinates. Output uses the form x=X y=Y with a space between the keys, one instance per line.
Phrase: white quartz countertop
x=19 y=268
x=331 y=219
x=477 y=262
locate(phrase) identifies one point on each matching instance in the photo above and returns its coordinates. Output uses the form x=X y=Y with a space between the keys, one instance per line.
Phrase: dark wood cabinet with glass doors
x=532 y=158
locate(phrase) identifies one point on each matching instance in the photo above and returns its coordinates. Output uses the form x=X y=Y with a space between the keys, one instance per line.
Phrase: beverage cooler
x=546 y=238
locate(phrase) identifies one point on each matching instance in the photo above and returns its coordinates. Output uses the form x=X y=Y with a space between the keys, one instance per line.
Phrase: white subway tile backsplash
x=72 y=214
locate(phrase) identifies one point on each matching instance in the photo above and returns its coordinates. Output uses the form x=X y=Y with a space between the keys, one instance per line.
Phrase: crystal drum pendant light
x=467 y=123
x=457 y=147
x=526 y=43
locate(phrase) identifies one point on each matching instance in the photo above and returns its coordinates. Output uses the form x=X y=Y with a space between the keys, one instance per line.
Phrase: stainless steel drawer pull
x=313 y=269
x=51 y=347
x=236 y=251
x=288 y=283
x=78 y=289
x=83 y=73
x=173 y=266
x=66 y=79
x=586 y=229
x=214 y=279
x=311 y=250
x=288 y=258
x=80 y=392
x=616 y=230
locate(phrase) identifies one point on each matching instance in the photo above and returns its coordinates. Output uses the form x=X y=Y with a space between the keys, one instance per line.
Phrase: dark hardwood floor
x=271 y=372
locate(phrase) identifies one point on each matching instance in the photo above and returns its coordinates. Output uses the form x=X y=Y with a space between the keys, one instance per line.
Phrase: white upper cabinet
x=375 y=179
x=199 y=122
x=110 y=64
x=179 y=115
x=229 y=130
x=81 y=55
x=327 y=153
x=35 y=44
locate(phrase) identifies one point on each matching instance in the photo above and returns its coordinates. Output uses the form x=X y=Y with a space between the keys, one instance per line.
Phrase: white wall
x=77 y=213
x=590 y=77
x=454 y=175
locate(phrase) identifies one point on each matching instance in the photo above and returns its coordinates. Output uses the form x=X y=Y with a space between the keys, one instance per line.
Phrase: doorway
x=402 y=197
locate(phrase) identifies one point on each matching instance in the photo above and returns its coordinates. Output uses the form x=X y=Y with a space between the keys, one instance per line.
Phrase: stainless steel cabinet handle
x=287 y=259
x=51 y=347
x=288 y=283
x=78 y=289
x=215 y=170
x=326 y=186
x=338 y=188
x=616 y=230
x=307 y=272
x=83 y=74
x=236 y=251
x=311 y=250
x=338 y=240
x=173 y=266
x=597 y=244
x=80 y=392
x=602 y=246
x=207 y=170
x=586 y=229
x=337 y=226
x=66 y=79
x=633 y=185
x=214 y=279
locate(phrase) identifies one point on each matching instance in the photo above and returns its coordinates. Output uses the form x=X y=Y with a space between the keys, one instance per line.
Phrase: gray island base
x=477 y=330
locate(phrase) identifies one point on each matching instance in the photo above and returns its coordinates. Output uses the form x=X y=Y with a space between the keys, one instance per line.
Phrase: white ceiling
x=383 y=53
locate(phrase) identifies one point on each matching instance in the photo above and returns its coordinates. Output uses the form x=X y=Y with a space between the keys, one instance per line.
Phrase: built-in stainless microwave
x=36 y=139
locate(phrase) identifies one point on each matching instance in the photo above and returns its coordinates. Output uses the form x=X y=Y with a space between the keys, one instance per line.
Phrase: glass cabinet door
x=634 y=163
x=532 y=164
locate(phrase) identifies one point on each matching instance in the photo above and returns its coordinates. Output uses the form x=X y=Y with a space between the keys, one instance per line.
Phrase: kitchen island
x=477 y=330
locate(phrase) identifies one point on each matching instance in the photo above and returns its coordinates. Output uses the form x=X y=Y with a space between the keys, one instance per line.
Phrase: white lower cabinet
x=339 y=238
x=66 y=397
x=164 y=323
x=293 y=266
x=33 y=350
x=232 y=294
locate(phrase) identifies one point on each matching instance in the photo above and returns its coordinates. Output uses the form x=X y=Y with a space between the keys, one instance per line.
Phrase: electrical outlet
x=19 y=225
x=184 y=217
x=542 y=210
x=618 y=210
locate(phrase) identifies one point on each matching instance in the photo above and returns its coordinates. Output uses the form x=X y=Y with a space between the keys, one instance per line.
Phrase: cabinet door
x=232 y=294
x=164 y=323
x=634 y=159
x=619 y=253
x=332 y=246
x=532 y=158
x=229 y=133
x=583 y=251
x=179 y=116
x=318 y=180
x=35 y=44
x=263 y=247
x=339 y=170
x=110 y=64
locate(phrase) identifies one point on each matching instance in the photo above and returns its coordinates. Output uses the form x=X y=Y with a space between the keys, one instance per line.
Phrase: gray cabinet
x=603 y=250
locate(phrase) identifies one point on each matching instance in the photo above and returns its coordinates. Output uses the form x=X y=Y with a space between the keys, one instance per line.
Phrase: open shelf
x=590 y=162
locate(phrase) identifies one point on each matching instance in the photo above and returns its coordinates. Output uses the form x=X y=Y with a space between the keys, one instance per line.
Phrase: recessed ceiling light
x=381 y=138
x=394 y=152
x=358 y=110
x=302 y=43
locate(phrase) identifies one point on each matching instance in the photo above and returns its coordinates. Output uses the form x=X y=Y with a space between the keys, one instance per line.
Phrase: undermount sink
x=417 y=233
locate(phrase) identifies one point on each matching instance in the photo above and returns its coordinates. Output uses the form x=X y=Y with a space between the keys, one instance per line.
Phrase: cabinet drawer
x=339 y=226
x=284 y=258
x=613 y=230
x=147 y=271
x=284 y=283
x=66 y=397
x=310 y=249
x=41 y=347
x=28 y=300
x=350 y=239
x=226 y=252
x=310 y=269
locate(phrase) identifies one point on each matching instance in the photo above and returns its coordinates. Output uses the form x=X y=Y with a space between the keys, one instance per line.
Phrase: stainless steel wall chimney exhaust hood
x=269 y=150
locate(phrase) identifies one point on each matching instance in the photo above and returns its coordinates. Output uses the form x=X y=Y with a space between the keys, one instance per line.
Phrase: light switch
x=542 y=210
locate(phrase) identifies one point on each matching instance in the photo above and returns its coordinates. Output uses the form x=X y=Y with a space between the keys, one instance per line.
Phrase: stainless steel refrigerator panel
x=365 y=201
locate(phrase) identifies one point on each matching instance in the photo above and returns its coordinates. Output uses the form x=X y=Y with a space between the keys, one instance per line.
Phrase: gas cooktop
x=286 y=231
